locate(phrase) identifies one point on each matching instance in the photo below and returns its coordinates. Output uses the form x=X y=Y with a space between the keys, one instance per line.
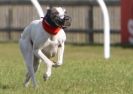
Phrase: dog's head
x=58 y=17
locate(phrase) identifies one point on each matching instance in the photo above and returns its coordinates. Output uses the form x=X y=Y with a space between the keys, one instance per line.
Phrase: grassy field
x=84 y=71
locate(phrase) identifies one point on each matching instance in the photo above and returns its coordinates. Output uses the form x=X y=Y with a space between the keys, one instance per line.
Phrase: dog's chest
x=56 y=40
x=52 y=44
x=50 y=48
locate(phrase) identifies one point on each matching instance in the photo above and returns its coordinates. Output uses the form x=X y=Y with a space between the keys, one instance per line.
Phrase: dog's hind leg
x=35 y=65
x=26 y=82
x=26 y=49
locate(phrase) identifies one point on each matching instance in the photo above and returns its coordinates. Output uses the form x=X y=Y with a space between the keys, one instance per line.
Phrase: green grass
x=84 y=71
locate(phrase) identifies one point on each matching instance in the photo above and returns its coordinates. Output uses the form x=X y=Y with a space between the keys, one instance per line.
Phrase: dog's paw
x=54 y=62
x=55 y=65
x=45 y=77
x=26 y=84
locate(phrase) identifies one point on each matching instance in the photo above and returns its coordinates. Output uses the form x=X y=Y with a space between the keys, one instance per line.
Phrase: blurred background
x=87 y=19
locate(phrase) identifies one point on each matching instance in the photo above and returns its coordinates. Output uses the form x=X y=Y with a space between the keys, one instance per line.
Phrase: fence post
x=9 y=22
x=90 y=25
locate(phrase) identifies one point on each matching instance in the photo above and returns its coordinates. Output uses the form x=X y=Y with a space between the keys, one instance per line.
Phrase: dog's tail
x=38 y=8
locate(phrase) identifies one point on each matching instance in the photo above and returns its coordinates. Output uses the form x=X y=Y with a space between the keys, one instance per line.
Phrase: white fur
x=43 y=47
x=61 y=11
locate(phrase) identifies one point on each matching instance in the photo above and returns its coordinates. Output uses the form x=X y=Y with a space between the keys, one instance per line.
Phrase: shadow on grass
x=4 y=87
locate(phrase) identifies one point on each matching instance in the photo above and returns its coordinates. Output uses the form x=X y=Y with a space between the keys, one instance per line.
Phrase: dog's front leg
x=49 y=63
x=60 y=55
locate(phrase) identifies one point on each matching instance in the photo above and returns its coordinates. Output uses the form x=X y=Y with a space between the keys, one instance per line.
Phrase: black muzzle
x=64 y=23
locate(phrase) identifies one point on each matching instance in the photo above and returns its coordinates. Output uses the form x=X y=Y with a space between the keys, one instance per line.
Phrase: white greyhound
x=43 y=39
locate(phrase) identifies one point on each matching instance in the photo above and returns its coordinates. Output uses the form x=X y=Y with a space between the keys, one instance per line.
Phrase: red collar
x=50 y=29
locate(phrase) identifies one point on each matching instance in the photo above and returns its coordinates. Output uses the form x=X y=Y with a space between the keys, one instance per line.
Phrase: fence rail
x=65 y=3
x=87 y=24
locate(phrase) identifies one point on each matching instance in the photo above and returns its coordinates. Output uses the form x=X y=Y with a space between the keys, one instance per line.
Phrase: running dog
x=43 y=39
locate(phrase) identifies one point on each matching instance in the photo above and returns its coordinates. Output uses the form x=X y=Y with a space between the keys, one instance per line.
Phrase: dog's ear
x=48 y=12
x=49 y=8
